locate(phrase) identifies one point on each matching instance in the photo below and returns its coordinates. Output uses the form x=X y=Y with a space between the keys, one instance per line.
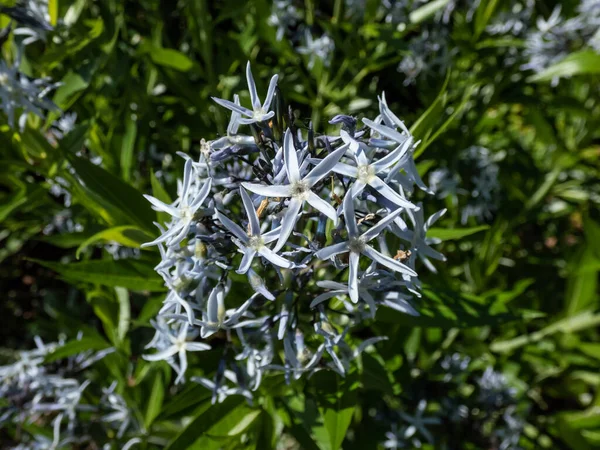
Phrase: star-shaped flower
x=185 y=211
x=259 y=112
x=179 y=345
x=253 y=242
x=357 y=245
x=299 y=188
x=366 y=171
x=418 y=237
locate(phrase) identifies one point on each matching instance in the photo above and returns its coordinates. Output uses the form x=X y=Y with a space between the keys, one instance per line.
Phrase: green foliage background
x=519 y=292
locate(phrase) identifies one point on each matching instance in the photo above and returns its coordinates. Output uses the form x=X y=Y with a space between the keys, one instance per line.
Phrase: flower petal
x=321 y=205
x=387 y=261
x=325 y=166
x=290 y=157
x=386 y=131
x=349 y=215
x=392 y=157
x=233 y=107
x=281 y=190
x=246 y=260
x=390 y=194
x=251 y=213
x=345 y=169
x=275 y=259
x=162 y=206
x=353 y=276
x=254 y=100
x=380 y=226
x=233 y=228
x=332 y=250
x=270 y=92
x=163 y=354
x=288 y=222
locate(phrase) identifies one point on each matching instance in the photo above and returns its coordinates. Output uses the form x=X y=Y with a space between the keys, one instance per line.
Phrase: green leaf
x=168 y=57
x=582 y=286
x=134 y=275
x=448 y=234
x=73 y=85
x=53 y=11
x=426 y=11
x=484 y=13
x=155 y=400
x=127 y=235
x=423 y=126
x=16 y=198
x=266 y=436
x=206 y=421
x=77 y=346
x=114 y=191
x=374 y=376
x=578 y=63
x=66 y=240
x=192 y=396
x=581 y=321
x=447 y=309
x=128 y=147
x=336 y=400
x=124 y=312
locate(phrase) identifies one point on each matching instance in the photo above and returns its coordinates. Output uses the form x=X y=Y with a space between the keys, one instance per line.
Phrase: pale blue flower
x=357 y=245
x=183 y=211
x=179 y=345
x=259 y=112
x=299 y=187
x=254 y=242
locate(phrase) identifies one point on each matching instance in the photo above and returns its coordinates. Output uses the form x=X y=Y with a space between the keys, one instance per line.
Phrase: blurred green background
x=519 y=291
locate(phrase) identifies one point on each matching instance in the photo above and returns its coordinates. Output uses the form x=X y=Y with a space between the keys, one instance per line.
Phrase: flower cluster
x=285 y=236
x=487 y=407
x=291 y=23
x=37 y=392
x=19 y=93
x=555 y=38
x=476 y=181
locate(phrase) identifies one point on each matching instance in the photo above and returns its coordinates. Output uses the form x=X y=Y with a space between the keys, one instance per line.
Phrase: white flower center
x=356 y=245
x=256 y=243
x=299 y=190
x=186 y=213
x=3 y=79
x=259 y=114
x=365 y=173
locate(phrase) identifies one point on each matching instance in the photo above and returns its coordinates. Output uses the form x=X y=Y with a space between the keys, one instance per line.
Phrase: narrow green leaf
x=426 y=11
x=448 y=234
x=155 y=400
x=484 y=13
x=266 y=437
x=336 y=400
x=134 y=275
x=53 y=11
x=127 y=148
x=77 y=346
x=124 y=312
x=578 y=63
x=192 y=396
x=423 y=126
x=204 y=422
x=447 y=309
x=581 y=321
x=168 y=57
x=115 y=191
x=127 y=235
